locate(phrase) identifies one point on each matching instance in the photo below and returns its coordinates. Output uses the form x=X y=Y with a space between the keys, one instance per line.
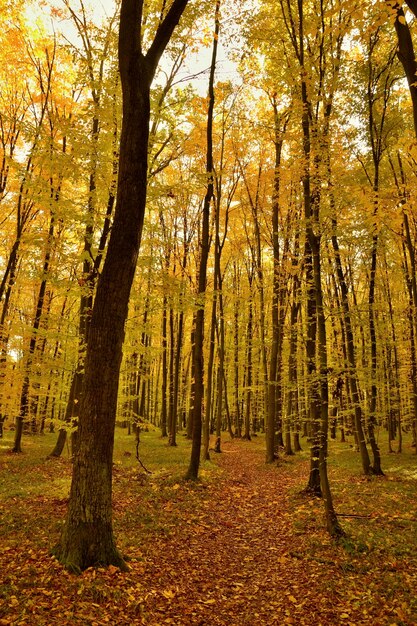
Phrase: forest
x=208 y=246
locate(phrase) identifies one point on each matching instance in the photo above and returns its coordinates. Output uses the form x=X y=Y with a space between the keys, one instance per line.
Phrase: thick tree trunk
x=87 y=537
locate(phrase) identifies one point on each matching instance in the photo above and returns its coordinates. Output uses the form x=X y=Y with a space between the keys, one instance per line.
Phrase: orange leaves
x=242 y=543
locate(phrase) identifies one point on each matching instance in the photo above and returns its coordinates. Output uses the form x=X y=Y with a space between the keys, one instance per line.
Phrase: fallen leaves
x=243 y=550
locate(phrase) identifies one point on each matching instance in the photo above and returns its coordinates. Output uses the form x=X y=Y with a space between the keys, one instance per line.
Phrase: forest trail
x=241 y=547
x=237 y=560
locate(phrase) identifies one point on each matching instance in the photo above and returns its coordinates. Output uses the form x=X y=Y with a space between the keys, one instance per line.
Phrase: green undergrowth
x=31 y=484
x=375 y=560
x=378 y=514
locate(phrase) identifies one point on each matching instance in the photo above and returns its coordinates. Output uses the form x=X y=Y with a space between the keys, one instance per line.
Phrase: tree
x=87 y=537
x=93 y=61
x=198 y=359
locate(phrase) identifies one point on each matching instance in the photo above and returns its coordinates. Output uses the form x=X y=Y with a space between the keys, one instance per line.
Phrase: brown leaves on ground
x=242 y=548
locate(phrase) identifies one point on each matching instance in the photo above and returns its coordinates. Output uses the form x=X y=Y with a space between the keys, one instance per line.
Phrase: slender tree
x=198 y=361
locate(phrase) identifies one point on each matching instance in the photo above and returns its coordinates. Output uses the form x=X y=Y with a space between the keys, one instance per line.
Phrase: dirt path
x=238 y=560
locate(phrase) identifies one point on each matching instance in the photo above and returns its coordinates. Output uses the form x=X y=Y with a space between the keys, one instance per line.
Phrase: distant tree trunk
x=379 y=85
x=256 y=251
x=209 y=377
x=350 y=347
x=87 y=537
x=221 y=385
x=236 y=347
x=192 y=473
x=172 y=416
x=249 y=364
x=413 y=368
x=219 y=309
x=190 y=419
x=394 y=372
x=90 y=272
x=24 y=395
x=376 y=468
x=292 y=364
x=164 y=395
x=177 y=370
x=274 y=377
x=411 y=283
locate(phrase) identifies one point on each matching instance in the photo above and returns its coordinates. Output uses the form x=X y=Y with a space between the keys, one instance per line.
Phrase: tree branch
x=164 y=32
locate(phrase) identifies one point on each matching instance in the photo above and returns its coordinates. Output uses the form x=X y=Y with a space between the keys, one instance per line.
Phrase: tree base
x=377 y=471
x=336 y=531
x=88 y=545
x=313 y=490
x=59 y=446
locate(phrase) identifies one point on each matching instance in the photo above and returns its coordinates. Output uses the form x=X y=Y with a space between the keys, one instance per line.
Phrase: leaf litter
x=241 y=548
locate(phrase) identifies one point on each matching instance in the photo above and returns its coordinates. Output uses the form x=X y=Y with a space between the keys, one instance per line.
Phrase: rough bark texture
x=87 y=537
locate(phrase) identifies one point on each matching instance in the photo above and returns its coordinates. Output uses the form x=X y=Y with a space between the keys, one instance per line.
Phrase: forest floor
x=243 y=546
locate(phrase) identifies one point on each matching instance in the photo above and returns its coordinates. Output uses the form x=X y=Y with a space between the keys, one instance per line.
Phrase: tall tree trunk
x=192 y=473
x=24 y=395
x=221 y=385
x=87 y=537
x=292 y=362
x=350 y=348
x=316 y=334
x=249 y=365
x=209 y=377
x=172 y=416
x=236 y=349
x=164 y=394
x=376 y=468
x=278 y=294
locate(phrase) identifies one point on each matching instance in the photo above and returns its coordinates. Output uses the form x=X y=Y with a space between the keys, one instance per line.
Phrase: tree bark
x=278 y=296
x=192 y=473
x=87 y=537
x=406 y=50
